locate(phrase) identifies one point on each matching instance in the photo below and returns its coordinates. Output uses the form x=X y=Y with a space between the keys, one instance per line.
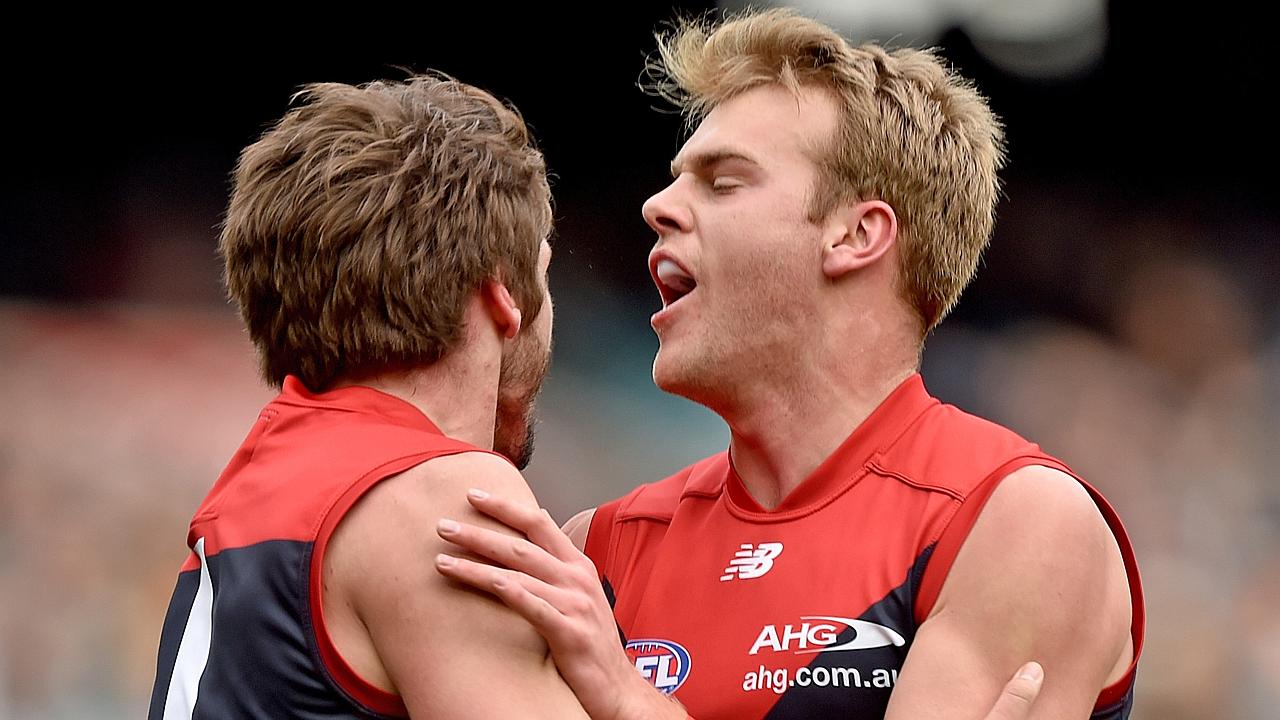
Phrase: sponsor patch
x=661 y=662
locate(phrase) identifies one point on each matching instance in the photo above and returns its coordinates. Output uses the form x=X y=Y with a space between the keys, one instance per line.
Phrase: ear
x=502 y=308
x=857 y=236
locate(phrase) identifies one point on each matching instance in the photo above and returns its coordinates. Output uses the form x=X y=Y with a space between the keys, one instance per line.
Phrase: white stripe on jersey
x=193 y=649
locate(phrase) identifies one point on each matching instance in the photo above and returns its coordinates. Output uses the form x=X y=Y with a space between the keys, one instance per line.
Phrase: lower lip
x=663 y=316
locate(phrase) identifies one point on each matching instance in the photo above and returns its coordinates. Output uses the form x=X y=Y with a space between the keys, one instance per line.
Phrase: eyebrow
x=708 y=160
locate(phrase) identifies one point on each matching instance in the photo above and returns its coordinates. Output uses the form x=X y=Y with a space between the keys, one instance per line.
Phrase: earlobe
x=864 y=234
x=502 y=308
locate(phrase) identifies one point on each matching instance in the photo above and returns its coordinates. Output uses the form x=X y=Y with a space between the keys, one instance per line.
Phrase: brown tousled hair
x=359 y=223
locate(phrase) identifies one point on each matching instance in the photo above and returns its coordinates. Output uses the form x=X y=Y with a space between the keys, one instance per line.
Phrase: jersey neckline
x=876 y=433
x=359 y=399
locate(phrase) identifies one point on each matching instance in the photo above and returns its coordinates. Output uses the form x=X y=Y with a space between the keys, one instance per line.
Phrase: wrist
x=643 y=701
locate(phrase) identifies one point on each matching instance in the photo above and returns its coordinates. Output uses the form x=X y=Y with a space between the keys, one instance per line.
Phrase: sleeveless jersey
x=808 y=610
x=244 y=635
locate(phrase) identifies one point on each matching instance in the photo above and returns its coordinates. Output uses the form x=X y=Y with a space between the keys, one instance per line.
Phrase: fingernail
x=478 y=494
x=449 y=527
x=1031 y=671
x=445 y=561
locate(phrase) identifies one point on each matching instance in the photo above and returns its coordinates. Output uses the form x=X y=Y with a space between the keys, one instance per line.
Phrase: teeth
x=673 y=277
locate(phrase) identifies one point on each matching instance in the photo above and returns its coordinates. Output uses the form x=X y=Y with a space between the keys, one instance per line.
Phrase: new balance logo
x=752 y=561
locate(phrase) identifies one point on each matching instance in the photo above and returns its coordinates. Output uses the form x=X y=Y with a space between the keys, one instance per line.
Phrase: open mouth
x=674 y=282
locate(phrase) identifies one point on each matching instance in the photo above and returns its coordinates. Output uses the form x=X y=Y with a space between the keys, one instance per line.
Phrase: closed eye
x=724 y=185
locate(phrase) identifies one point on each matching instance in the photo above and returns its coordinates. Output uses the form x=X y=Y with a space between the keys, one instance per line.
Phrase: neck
x=459 y=393
x=782 y=431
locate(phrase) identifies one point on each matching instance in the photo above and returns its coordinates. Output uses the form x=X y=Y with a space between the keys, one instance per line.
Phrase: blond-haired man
x=860 y=550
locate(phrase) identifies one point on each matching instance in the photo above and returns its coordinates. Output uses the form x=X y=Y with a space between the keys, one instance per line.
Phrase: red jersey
x=244 y=635
x=809 y=609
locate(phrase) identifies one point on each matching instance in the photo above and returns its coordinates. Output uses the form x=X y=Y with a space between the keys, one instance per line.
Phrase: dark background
x=122 y=138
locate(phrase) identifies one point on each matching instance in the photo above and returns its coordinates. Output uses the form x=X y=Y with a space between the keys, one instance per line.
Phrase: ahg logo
x=820 y=636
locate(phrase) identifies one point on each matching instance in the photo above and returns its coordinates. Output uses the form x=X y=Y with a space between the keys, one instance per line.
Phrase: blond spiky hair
x=912 y=133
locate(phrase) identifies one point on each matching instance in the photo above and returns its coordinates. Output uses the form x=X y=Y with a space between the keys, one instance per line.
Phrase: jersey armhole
x=340 y=674
x=600 y=534
x=952 y=537
x=957 y=530
x=1119 y=690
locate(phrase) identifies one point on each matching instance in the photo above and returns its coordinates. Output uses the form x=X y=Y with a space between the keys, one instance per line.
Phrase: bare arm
x=1040 y=575
x=555 y=587
x=448 y=651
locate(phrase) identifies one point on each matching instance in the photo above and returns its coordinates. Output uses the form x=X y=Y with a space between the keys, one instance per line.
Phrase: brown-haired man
x=387 y=248
x=861 y=550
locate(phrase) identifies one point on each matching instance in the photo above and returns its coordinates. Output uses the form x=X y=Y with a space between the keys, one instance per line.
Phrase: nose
x=667 y=212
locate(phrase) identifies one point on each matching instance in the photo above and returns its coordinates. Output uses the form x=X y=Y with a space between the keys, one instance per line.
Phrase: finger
x=515 y=553
x=529 y=597
x=535 y=523
x=1019 y=694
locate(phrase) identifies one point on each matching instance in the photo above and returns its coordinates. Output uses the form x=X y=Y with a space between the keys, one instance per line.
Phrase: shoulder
x=1038 y=516
x=1045 y=505
x=407 y=506
x=390 y=532
x=1041 y=551
x=647 y=509
x=950 y=450
x=1043 y=491
x=578 y=527
x=398 y=515
x=392 y=616
x=1041 y=576
x=659 y=500
x=439 y=487
x=479 y=469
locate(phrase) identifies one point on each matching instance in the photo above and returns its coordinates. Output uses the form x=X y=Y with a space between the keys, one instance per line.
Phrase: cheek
x=770 y=268
x=770 y=292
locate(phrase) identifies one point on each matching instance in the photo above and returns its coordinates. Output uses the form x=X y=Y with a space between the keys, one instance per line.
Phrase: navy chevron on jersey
x=244 y=636
x=809 y=609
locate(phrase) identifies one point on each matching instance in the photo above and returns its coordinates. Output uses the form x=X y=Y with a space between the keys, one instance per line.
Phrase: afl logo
x=661 y=662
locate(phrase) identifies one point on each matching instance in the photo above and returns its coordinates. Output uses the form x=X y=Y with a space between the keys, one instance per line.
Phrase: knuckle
x=578 y=605
x=581 y=577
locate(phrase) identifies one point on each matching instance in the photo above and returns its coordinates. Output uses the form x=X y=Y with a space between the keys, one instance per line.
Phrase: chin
x=665 y=374
x=680 y=364
x=681 y=379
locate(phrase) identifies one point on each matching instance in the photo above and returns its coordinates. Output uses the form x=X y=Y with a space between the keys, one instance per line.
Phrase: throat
x=770 y=475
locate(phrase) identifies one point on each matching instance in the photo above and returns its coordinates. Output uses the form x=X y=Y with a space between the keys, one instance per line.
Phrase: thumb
x=1019 y=694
